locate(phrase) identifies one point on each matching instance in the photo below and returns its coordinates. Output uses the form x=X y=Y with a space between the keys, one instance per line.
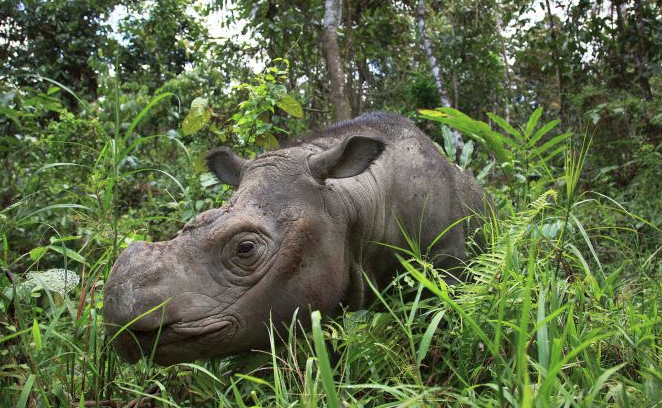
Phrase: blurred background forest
x=107 y=109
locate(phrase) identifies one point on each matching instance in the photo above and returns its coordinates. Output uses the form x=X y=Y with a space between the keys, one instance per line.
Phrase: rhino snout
x=150 y=279
x=133 y=289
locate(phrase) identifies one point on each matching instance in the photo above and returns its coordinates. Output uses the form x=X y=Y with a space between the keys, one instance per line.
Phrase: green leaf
x=36 y=335
x=255 y=380
x=44 y=101
x=465 y=158
x=197 y=116
x=475 y=129
x=553 y=154
x=222 y=136
x=144 y=112
x=84 y=104
x=16 y=334
x=542 y=335
x=600 y=382
x=505 y=126
x=25 y=392
x=431 y=114
x=69 y=253
x=268 y=141
x=533 y=121
x=291 y=106
x=37 y=253
x=200 y=163
x=323 y=361
x=551 y=143
x=542 y=132
x=449 y=143
x=55 y=240
x=427 y=337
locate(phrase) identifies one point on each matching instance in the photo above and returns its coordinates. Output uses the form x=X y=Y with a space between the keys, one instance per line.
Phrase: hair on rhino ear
x=226 y=165
x=347 y=159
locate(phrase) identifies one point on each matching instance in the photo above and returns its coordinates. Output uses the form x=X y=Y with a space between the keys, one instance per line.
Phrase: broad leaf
x=476 y=129
x=552 y=142
x=37 y=253
x=465 y=158
x=505 y=126
x=542 y=132
x=291 y=106
x=268 y=141
x=533 y=121
x=69 y=253
x=197 y=116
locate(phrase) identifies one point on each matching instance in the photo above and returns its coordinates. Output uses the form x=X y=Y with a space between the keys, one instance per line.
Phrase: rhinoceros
x=303 y=231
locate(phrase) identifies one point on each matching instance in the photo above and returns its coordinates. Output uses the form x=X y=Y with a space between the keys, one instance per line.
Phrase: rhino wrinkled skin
x=301 y=232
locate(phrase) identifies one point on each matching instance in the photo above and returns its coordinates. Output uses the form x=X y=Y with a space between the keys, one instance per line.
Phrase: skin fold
x=301 y=232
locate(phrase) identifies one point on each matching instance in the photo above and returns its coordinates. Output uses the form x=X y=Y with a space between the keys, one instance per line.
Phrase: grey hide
x=298 y=234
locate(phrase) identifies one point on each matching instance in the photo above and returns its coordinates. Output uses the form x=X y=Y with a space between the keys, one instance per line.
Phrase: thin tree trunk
x=434 y=67
x=432 y=61
x=454 y=80
x=331 y=51
x=555 y=57
x=363 y=78
x=506 y=68
x=350 y=56
x=618 y=38
x=641 y=57
x=272 y=12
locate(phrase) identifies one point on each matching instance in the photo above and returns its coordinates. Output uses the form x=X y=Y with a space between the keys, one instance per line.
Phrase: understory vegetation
x=106 y=147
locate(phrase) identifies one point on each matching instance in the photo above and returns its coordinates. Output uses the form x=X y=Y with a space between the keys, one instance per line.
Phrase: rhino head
x=280 y=244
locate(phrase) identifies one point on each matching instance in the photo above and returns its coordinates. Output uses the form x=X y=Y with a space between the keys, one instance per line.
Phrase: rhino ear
x=226 y=165
x=350 y=158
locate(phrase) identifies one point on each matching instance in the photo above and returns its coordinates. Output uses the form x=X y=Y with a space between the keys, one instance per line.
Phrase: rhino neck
x=360 y=204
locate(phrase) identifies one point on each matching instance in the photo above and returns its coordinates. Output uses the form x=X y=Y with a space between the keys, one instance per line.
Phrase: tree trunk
x=339 y=97
x=641 y=57
x=350 y=57
x=618 y=38
x=454 y=80
x=434 y=67
x=506 y=69
x=555 y=57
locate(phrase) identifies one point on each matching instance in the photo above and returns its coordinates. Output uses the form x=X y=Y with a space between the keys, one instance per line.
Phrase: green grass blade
x=144 y=112
x=531 y=124
x=68 y=90
x=323 y=360
x=25 y=392
x=427 y=337
x=542 y=335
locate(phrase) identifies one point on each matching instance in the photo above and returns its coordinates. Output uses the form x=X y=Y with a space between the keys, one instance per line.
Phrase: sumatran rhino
x=303 y=231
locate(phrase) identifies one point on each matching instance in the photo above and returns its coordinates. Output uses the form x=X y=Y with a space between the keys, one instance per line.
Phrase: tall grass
x=56 y=351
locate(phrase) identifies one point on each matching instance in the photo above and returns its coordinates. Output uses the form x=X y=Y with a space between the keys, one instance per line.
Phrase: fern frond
x=506 y=238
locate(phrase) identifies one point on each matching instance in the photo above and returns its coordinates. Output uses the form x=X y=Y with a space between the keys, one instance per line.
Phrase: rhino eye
x=245 y=249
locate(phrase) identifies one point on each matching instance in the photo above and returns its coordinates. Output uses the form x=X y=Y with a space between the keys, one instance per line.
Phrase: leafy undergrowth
x=561 y=309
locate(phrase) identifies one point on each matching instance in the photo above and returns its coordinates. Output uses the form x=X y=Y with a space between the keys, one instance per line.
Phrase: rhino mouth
x=177 y=342
x=186 y=331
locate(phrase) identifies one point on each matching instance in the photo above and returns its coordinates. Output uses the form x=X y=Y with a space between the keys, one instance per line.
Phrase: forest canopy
x=108 y=108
